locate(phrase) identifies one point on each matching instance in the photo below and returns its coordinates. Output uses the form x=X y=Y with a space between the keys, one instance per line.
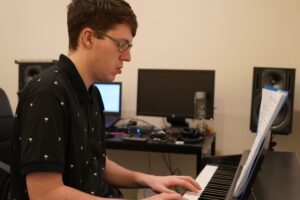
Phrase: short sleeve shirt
x=59 y=128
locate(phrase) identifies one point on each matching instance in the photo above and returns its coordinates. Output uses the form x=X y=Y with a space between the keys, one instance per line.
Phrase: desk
x=205 y=148
x=279 y=177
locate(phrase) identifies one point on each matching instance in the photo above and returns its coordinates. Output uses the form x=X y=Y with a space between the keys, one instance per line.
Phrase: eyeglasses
x=122 y=45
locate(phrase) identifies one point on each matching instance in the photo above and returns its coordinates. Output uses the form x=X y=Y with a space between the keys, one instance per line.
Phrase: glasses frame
x=122 y=45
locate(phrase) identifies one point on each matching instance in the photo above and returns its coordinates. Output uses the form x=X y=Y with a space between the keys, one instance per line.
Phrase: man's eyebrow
x=125 y=40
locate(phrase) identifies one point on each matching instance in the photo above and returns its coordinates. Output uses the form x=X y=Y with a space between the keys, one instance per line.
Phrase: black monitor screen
x=165 y=92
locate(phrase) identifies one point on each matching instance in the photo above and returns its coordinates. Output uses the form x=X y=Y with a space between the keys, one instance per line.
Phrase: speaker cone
x=280 y=121
x=31 y=71
x=274 y=78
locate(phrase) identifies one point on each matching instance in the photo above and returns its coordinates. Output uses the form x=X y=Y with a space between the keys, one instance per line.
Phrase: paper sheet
x=272 y=101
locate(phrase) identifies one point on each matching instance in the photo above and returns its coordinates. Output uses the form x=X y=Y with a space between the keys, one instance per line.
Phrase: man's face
x=106 y=58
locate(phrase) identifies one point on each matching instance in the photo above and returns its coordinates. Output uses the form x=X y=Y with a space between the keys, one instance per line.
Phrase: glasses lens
x=124 y=46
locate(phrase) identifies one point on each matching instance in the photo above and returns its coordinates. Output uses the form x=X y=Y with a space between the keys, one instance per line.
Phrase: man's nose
x=126 y=56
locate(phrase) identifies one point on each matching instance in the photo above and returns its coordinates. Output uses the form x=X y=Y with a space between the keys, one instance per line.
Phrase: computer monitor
x=170 y=93
x=111 y=95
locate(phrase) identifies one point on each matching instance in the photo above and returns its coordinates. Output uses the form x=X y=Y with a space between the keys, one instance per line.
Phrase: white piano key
x=203 y=179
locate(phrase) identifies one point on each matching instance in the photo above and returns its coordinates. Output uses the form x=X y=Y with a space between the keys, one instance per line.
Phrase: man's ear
x=86 y=38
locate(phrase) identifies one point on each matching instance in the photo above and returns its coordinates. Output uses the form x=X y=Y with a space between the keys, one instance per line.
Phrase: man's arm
x=121 y=177
x=49 y=186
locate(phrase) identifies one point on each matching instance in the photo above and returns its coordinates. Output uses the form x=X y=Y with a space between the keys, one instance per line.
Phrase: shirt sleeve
x=43 y=133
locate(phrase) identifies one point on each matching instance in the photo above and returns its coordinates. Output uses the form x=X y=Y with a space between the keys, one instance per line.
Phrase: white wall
x=229 y=36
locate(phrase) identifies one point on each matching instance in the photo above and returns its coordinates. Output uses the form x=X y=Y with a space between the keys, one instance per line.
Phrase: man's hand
x=162 y=184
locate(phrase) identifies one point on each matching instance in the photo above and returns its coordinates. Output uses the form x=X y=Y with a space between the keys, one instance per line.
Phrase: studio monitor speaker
x=280 y=78
x=28 y=69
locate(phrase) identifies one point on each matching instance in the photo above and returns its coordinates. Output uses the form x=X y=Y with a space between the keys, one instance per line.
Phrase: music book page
x=271 y=102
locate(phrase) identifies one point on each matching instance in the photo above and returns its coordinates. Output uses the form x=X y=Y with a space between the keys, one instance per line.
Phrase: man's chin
x=109 y=79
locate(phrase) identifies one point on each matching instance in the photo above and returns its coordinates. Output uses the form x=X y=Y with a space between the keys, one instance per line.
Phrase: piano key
x=215 y=192
x=203 y=179
x=224 y=176
x=219 y=183
x=216 y=185
x=211 y=197
x=214 y=197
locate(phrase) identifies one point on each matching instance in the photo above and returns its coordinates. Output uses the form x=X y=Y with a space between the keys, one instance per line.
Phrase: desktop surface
x=116 y=142
x=200 y=150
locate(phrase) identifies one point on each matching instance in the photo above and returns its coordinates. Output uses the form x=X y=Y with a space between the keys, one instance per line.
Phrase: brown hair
x=98 y=15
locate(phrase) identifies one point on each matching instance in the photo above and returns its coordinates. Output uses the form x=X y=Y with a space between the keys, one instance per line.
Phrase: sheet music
x=272 y=101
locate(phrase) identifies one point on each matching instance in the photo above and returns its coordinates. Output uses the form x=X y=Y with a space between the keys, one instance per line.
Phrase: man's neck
x=81 y=63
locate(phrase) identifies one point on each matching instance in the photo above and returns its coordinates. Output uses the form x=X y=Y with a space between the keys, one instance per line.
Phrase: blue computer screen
x=111 y=96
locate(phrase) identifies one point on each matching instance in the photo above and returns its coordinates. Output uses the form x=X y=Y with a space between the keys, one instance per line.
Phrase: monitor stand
x=177 y=121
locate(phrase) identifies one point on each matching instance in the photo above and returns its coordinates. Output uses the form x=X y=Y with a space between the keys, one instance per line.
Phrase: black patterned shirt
x=59 y=128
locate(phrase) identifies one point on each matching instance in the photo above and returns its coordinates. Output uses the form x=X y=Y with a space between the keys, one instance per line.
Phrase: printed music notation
x=271 y=103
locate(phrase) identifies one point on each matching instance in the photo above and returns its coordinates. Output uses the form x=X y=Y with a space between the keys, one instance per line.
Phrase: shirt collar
x=76 y=81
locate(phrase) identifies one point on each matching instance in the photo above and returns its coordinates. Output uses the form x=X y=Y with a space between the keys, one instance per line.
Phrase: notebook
x=111 y=95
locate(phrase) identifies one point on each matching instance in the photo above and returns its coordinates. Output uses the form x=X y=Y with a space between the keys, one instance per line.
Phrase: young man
x=58 y=146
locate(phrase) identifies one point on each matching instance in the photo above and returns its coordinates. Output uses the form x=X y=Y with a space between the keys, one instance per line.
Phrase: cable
x=149 y=163
x=168 y=163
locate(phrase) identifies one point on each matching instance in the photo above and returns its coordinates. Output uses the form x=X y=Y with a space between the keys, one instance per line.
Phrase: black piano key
x=215 y=191
x=208 y=198
x=225 y=176
x=228 y=168
x=223 y=160
x=220 y=183
x=212 y=197
x=226 y=173
x=218 y=186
